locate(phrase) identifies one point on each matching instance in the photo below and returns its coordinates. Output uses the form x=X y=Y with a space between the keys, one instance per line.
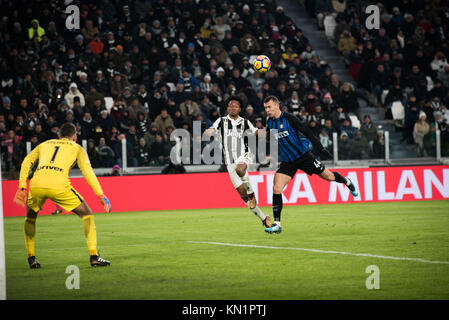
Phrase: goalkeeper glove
x=105 y=203
x=326 y=153
x=21 y=197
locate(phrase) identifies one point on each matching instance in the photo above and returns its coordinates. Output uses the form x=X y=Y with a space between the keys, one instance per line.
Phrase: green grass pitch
x=151 y=257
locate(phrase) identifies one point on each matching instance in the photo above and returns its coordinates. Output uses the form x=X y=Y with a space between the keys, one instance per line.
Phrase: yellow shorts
x=68 y=198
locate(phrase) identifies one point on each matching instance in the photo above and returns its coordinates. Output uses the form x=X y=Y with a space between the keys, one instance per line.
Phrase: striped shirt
x=293 y=137
x=234 y=143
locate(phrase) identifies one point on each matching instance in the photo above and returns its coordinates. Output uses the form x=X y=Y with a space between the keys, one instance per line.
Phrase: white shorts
x=236 y=180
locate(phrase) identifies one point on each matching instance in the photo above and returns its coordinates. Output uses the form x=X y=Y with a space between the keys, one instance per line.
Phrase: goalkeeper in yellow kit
x=54 y=160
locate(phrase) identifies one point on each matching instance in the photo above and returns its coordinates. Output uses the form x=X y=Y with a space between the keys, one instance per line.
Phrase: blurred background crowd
x=137 y=70
x=402 y=67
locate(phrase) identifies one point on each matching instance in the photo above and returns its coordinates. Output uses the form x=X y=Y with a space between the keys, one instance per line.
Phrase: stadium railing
x=336 y=162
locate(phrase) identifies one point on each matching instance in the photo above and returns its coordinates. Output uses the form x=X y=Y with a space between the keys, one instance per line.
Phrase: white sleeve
x=251 y=127
x=216 y=124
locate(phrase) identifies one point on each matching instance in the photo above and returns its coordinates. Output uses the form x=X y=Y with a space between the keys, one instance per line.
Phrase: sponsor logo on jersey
x=234 y=134
x=282 y=134
x=50 y=168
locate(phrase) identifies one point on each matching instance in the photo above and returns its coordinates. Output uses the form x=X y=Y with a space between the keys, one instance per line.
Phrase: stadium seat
x=384 y=95
x=329 y=27
x=397 y=110
x=429 y=83
x=171 y=86
x=355 y=121
x=109 y=102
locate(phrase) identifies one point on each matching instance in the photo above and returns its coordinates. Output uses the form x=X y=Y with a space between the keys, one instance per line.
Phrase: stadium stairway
x=317 y=38
x=330 y=54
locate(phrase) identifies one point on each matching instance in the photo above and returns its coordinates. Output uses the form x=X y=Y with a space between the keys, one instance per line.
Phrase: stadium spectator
x=346 y=44
x=188 y=81
x=143 y=153
x=94 y=155
x=379 y=146
x=71 y=94
x=411 y=46
x=348 y=98
x=394 y=94
x=89 y=31
x=146 y=47
x=118 y=84
x=164 y=120
x=328 y=126
x=249 y=44
x=220 y=28
x=421 y=128
x=159 y=151
x=334 y=87
x=326 y=140
x=368 y=129
x=107 y=156
x=250 y=115
x=135 y=107
x=96 y=45
x=348 y=128
x=429 y=141
x=360 y=148
x=131 y=160
x=310 y=102
x=338 y=116
x=35 y=32
x=188 y=107
x=380 y=81
x=344 y=147
x=327 y=103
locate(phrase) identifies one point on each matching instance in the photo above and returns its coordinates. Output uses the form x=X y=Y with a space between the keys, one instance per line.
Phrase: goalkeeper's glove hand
x=105 y=203
x=21 y=197
x=326 y=153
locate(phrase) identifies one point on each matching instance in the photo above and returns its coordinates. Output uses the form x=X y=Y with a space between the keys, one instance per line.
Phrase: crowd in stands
x=137 y=70
x=404 y=62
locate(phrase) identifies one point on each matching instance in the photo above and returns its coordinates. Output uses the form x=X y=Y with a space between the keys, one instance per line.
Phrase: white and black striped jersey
x=234 y=143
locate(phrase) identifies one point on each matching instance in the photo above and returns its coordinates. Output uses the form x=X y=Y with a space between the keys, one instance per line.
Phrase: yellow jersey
x=55 y=158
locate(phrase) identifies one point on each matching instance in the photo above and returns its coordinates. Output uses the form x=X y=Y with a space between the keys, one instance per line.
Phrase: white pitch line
x=321 y=251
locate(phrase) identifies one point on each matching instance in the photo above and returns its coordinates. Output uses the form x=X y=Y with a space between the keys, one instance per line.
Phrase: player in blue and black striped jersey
x=294 y=141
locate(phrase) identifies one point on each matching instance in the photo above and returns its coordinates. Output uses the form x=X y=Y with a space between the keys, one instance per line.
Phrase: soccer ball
x=262 y=63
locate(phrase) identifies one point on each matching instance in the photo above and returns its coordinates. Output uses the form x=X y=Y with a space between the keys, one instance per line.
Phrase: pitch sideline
x=321 y=251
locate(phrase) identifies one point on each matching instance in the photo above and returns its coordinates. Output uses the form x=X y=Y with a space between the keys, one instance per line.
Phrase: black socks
x=277 y=206
x=339 y=178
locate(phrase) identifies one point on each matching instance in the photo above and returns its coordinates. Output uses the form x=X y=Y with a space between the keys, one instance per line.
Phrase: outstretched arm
x=87 y=171
x=214 y=128
x=91 y=178
x=262 y=133
x=294 y=121
x=209 y=132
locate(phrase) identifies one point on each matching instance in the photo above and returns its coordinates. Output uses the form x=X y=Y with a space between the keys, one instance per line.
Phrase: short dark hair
x=271 y=98
x=236 y=98
x=67 y=130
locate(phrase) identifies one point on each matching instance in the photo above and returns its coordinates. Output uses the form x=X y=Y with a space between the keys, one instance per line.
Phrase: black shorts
x=306 y=163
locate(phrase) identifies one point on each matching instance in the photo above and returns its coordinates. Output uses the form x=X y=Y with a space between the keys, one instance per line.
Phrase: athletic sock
x=277 y=208
x=247 y=184
x=91 y=234
x=30 y=232
x=258 y=212
x=339 y=178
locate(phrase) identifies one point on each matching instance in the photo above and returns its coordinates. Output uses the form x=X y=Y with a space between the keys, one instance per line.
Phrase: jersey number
x=54 y=154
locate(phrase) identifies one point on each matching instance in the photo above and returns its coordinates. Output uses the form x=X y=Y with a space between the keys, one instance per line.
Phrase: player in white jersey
x=236 y=152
